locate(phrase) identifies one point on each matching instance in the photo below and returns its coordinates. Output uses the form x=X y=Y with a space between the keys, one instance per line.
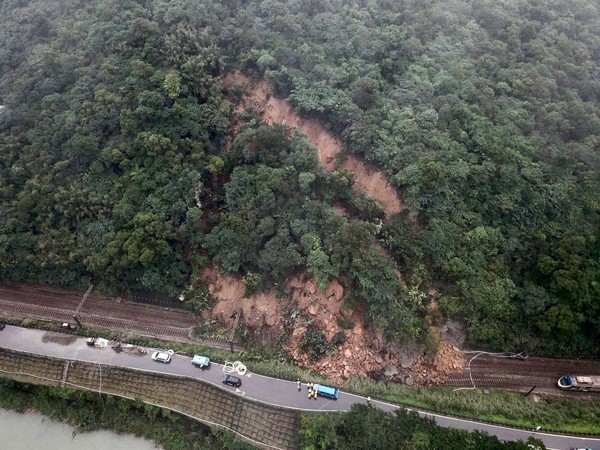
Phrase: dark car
x=232 y=381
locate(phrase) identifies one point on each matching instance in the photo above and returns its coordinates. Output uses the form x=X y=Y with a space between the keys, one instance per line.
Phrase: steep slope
x=258 y=96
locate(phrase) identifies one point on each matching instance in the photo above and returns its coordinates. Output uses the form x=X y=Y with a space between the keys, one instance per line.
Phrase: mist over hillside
x=484 y=115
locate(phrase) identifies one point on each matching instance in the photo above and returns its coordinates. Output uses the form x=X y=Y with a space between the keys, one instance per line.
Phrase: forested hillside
x=484 y=114
x=110 y=135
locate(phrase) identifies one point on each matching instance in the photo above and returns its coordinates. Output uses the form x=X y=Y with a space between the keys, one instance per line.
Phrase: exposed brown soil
x=356 y=358
x=340 y=210
x=434 y=369
x=373 y=183
x=323 y=308
x=258 y=96
x=264 y=312
x=362 y=354
x=259 y=310
x=363 y=351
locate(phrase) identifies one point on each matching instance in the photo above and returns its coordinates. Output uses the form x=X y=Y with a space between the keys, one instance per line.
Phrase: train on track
x=584 y=383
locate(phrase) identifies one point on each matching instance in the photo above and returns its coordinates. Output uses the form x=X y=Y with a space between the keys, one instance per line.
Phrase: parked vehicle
x=163 y=357
x=118 y=347
x=97 y=342
x=230 y=380
x=580 y=382
x=326 y=391
x=203 y=362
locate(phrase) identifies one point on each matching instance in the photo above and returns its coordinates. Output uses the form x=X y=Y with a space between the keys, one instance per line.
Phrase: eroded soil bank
x=258 y=96
x=364 y=353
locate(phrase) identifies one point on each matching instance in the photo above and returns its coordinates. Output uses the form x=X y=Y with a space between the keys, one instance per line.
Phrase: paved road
x=255 y=387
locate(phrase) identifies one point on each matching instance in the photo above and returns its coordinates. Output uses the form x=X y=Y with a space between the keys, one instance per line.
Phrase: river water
x=33 y=431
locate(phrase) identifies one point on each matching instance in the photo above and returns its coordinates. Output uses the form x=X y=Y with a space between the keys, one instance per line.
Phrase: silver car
x=162 y=357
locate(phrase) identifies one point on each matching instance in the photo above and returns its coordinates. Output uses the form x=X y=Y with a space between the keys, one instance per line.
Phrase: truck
x=327 y=391
x=203 y=362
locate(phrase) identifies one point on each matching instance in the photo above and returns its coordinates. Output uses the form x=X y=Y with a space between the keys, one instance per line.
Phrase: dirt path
x=258 y=95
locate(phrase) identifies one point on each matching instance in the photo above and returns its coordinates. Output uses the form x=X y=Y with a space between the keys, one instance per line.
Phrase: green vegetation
x=315 y=343
x=110 y=137
x=484 y=115
x=512 y=409
x=362 y=426
x=170 y=430
x=368 y=427
x=507 y=408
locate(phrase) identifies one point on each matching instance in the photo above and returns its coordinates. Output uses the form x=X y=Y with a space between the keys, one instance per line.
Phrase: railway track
x=521 y=374
x=39 y=312
x=37 y=298
x=501 y=382
x=102 y=313
x=49 y=304
x=137 y=328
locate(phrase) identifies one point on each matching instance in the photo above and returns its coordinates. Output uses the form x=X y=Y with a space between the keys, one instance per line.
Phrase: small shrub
x=237 y=90
x=345 y=323
x=253 y=283
x=197 y=300
x=315 y=344
x=338 y=339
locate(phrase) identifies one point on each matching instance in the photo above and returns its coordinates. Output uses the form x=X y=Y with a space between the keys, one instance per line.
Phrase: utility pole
x=530 y=391
x=81 y=304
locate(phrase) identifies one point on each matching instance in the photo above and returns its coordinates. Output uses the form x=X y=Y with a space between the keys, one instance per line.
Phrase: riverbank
x=32 y=430
x=83 y=412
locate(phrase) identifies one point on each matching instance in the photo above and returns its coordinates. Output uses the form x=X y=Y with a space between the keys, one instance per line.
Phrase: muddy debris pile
x=363 y=354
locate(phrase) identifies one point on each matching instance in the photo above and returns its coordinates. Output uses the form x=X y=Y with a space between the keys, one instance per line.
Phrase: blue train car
x=580 y=382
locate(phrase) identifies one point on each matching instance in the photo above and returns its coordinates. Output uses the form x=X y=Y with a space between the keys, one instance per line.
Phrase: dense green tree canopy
x=368 y=427
x=108 y=141
x=484 y=115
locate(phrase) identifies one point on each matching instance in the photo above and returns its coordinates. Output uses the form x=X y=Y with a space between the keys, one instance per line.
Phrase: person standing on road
x=299 y=386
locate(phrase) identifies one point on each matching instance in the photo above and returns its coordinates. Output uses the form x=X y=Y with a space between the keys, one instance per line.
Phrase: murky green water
x=32 y=431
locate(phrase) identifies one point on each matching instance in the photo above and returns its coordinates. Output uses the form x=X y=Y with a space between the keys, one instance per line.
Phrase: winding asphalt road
x=256 y=387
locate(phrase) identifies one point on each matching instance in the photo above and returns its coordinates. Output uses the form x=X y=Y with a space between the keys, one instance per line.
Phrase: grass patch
x=507 y=408
x=502 y=407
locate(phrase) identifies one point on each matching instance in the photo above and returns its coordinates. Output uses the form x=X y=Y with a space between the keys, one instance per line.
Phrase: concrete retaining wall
x=262 y=425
